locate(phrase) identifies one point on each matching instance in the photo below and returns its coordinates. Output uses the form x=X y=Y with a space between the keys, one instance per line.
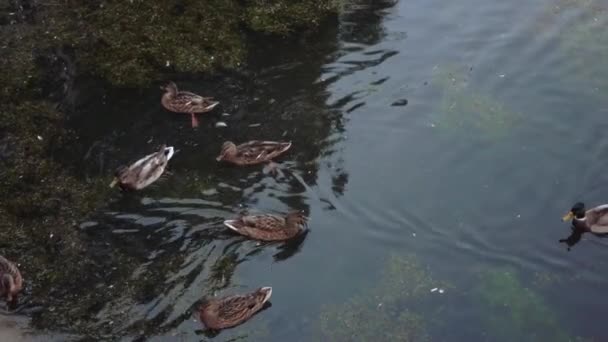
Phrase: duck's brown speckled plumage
x=186 y=102
x=11 y=281
x=144 y=171
x=252 y=152
x=227 y=312
x=269 y=227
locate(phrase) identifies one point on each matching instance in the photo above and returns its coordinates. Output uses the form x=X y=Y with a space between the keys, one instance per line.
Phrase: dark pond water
x=435 y=147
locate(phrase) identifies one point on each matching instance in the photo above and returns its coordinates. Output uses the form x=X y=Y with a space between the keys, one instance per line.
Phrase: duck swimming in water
x=594 y=220
x=269 y=227
x=252 y=152
x=144 y=171
x=11 y=281
x=233 y=310
x=186 y=102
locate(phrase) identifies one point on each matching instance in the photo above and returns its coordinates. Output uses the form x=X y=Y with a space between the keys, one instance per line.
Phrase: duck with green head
x=594 y=220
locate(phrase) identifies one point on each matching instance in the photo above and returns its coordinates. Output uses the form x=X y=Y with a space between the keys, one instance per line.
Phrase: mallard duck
x=233 y=310
x=144 y=171
x=186 y=102
x=269 y=227
x=252 y=152
x=594 y=220
x=11 y=281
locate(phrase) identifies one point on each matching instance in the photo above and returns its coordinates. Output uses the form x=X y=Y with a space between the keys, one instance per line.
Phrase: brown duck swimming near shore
x=269 y=227
x=227 y=312
x=252 y=152
x=11 y=281
x=144 y=171
x=186 y=102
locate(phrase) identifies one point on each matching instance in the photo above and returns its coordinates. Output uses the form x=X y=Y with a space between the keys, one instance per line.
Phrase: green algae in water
x=384 y=313
x=466 y=110
x=586 y=44
x=514 y=312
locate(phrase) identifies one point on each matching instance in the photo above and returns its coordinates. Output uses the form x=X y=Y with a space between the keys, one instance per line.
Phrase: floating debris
x=221 y=124
x=434 y=289
x=400 y=103
x=441 y=290
x=225 y=114
x=39 y=137
x=255 y=125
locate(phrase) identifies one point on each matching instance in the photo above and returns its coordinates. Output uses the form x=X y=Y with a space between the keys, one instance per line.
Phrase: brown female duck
x=252 y=152
x=186 y=102
x=11 y=281
x=594 y=220
x=144 y=171
x=233 y=310
x=269 y=227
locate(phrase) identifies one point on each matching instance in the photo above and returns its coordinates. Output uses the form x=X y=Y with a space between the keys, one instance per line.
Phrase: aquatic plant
x=586 y=42
x=470 y=111
x=384 y=312
x=514 y=312
x=132 y=42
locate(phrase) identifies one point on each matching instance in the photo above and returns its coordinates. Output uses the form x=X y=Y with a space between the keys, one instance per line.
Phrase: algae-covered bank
x=47 y=47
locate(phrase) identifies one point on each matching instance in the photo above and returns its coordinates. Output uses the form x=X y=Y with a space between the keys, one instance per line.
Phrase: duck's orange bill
x=569 y=216
x=114 y=182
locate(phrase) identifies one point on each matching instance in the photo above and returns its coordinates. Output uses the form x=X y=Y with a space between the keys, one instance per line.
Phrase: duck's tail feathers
x=211 y=106
x=268 y=291
x=286 y=146
x=232 y=225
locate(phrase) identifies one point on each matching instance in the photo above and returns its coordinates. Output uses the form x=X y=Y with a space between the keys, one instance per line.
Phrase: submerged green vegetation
x=463 y=108
x=384 y=313
x=514 y=312
x=586 y=42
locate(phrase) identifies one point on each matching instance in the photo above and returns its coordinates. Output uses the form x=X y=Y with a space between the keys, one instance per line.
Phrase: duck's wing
x=238 y=308
x=597 y=219
x=261 y=150
x=188 y=98
x=250 y=223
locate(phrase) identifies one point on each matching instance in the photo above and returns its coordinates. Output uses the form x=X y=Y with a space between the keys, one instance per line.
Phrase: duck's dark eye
x=166 y=152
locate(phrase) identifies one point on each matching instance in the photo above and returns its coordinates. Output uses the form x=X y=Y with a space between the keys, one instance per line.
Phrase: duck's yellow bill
x=114 y=182
x=569 y=216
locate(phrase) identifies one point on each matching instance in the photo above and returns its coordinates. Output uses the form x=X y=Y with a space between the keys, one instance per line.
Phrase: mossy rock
x=135 y=42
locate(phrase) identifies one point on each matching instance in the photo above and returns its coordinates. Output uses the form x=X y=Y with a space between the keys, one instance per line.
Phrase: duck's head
x=577 y=211
x=228 y=150
x=170 y=88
